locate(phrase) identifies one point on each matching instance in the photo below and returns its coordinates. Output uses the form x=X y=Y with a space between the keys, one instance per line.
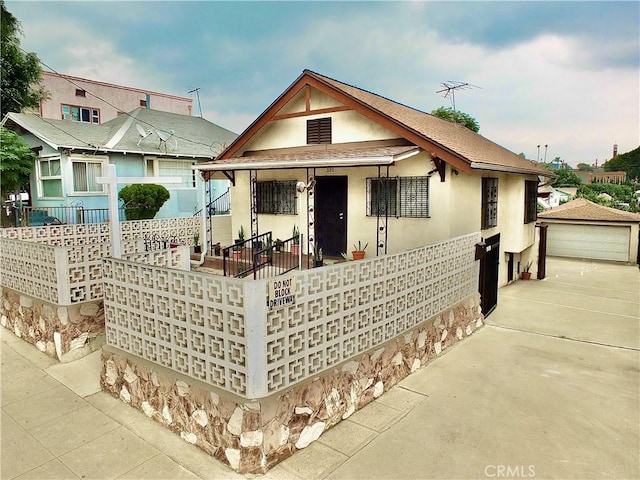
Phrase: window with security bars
x=319 y=130
x=530 y=201
x=398 y=197
x=489 y=202
x=276 y=197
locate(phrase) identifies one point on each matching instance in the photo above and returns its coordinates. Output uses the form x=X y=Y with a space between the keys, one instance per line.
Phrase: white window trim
x=102 y=159
x=156 y=171
x=39 y=177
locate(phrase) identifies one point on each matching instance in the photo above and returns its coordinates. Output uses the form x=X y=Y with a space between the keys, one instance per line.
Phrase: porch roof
x=296 y=158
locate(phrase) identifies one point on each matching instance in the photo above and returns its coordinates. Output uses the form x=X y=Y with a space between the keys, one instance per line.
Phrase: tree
x=20 y=72
x=585 y=167
x=626 y=162
x=448 y=113
x=142 y=201
x=565 y=177
x=16 y=163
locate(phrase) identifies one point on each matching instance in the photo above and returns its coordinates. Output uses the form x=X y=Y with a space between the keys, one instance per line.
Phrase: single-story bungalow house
x=144 y=142
x=351 y=167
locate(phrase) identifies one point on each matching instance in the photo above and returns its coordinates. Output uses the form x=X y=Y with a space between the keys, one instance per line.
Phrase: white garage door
x=598 y=242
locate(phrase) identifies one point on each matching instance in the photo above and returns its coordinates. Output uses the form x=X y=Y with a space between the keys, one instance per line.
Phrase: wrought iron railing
x=70 y=214
x=261 y=256
x=219 y=206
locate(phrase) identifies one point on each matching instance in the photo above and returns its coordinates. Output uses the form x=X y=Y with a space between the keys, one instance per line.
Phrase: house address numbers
x=282 y=292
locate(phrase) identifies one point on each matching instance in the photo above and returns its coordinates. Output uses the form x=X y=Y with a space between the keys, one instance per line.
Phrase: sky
x=565 y=75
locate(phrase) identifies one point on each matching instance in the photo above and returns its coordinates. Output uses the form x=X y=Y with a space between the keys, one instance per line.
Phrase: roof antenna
x=450 y=87
x=197 y=90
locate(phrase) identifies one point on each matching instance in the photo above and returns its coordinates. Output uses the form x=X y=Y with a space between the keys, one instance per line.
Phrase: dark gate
x=331 y=215
x=488 y=282
x=542 y=252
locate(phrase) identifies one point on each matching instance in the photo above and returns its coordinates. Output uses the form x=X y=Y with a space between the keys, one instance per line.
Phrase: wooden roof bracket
x=231 y=176
x=440 y=165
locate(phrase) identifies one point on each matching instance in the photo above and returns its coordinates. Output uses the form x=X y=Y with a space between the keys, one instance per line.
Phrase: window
x=80 y=114
x=530 y=201
x=80 y=92
x=156 y=167
x=50 y=178
x=319 y=130
x=276 y=197
x=398 y=197
x=85 y=173
x=489 y=202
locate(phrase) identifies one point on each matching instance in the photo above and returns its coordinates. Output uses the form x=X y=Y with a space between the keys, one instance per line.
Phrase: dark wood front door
x=331 y=215
x=489 y=268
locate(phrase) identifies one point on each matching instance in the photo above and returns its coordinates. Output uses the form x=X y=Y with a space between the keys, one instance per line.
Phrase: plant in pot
x=317 y=256
x=197 y=248
x=295 y=247
x=278 y=245
x=267 y=253
x=216 y=249
x=359 y=250
x=526 y=273
x=237 y=248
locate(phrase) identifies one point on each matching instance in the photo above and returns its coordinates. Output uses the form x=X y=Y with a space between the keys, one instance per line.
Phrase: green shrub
x=142 y=201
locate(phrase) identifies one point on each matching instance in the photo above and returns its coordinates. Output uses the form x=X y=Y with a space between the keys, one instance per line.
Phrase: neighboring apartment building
x=79 y=99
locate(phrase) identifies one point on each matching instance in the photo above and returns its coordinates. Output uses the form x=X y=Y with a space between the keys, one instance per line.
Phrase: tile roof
x=583 y=209
x=193 y=137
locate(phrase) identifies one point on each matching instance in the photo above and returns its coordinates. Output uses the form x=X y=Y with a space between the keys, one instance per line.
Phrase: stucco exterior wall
x=124 y=98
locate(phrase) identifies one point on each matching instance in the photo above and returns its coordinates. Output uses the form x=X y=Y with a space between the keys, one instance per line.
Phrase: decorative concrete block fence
x=51 y=290
x=253 y=370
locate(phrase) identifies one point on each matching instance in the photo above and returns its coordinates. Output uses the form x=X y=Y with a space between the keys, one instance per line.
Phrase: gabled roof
x=583 y=209
x=451 y=142
x=193 y=136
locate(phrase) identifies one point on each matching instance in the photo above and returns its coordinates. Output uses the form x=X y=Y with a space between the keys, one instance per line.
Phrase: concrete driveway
x=549 y=388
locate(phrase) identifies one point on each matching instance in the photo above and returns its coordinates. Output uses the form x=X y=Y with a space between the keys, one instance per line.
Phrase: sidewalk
x=549 y=388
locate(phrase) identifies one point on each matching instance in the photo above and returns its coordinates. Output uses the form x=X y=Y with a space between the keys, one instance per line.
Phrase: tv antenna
x=450 y=87
x=142 y=133
x=197 y=90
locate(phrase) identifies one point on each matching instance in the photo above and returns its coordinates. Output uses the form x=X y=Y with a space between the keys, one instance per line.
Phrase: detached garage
x=583 y=229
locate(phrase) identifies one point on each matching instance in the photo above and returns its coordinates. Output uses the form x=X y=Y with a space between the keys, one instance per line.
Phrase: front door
x=331 y=215
x=488 y=282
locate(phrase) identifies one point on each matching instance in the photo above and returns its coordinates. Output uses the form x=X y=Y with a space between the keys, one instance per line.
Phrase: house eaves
x=511 y=169
x=379 y=156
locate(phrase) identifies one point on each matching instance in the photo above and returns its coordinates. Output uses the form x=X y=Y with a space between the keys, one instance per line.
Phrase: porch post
x=253 y=179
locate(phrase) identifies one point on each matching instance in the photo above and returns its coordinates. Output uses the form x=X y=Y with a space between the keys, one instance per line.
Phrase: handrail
x=238 y=259
x=277 y=259
x=220 y=205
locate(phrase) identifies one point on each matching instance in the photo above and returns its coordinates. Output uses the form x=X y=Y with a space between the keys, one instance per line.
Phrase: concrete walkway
x=549 y=388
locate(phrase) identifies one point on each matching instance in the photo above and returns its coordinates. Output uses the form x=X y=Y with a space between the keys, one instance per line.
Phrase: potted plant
x=265 y=256
x=216 y=249
x=278 y=245
x=295 y=247
x=359 y=251
x=317 y=256
x=197 y=248
x=237 y=248
x=526 y=273
x=240 y=238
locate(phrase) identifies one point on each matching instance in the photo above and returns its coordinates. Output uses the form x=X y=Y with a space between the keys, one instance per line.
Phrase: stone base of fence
x=65 y=333
x=251 y=436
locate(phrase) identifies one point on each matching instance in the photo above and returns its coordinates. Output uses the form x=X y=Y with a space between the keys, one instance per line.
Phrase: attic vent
x=80 y=92
x=319 y=130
